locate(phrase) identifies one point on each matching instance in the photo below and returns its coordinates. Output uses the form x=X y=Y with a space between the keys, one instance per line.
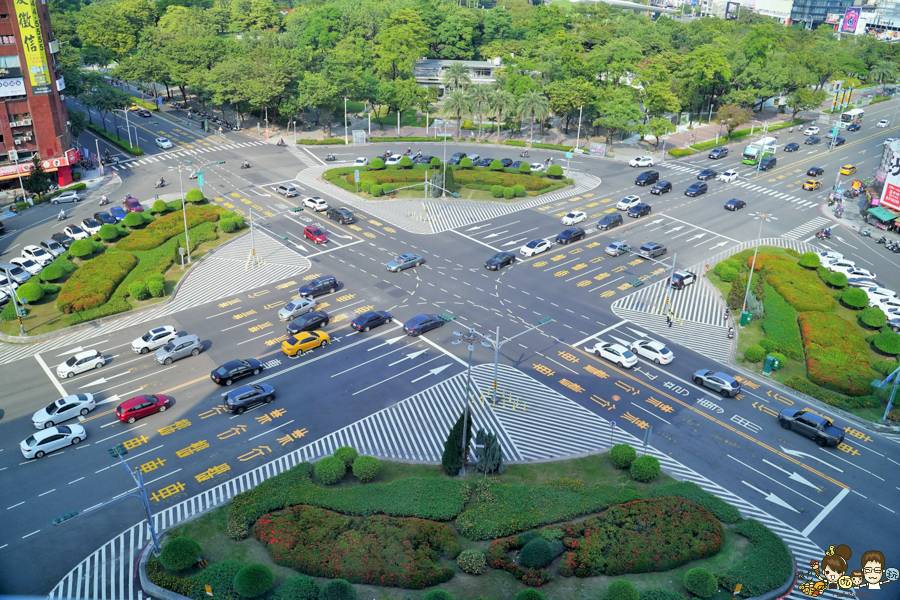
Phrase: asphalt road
x=832 y=495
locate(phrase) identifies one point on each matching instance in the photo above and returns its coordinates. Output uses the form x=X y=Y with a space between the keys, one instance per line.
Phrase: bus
x=755 y=152
x=852 y=116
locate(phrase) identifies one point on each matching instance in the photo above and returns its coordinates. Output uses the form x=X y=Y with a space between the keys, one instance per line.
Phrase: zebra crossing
x=546 y=425
x=817 y=224
x=180 y=153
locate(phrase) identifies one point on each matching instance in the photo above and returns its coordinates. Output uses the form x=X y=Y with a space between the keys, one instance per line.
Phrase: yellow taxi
x=303 y=341
x=812 y=184
x=848 y=170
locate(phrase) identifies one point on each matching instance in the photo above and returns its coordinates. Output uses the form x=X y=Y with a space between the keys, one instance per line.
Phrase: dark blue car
x=854 y=127
x=573 y=234
x=499 y=260
x=370 y=319
x=422 y=323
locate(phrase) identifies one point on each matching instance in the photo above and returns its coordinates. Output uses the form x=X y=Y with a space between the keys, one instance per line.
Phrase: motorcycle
x=160 y=184
x=731 y=333
x=330 y=157
x=246 y=165
x=408 y=152
x=193 y=175
x=524 y=154
x=865 y=233
x=281 y=143
x=104 y=200
x=839 y=211
x=549 y=160
x=61 y=216
x=822 y=235
x=881 y=240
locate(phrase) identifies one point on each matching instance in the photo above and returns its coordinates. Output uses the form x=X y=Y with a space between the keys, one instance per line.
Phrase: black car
x=341 y=215
x=813 y=139
x=838 y=141
x=610 y=221
x=422 y=323
x=311 y=321
x=517 y=164
x=696 y=189
x=815 y=171
x=484 y=162
x=854 y=127
x=235 y=369
x=144 y=113
x=2 y=229
x=661 y=188
x=573 y=234
x=424 y=160
x=707 y=174
x=240 y=399
x=62 y=239
x=647 y=178
x=506 y=162
x=456 y=158
x=718 y=152
x=792 y=147
x=326 y=284
x=499 y=260
x=105 y=218
x=639 y=210
x=370 y=319
x=735 y=204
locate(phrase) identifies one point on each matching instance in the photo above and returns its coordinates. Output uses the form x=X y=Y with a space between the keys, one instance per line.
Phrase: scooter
x=524 y=154
x=104 y=200
x=61 y=216
x=193 y=175
x=408 y=152
x=731 y=333
x=160 y=184
x=839 y=211
x=246 y=165
x=881 y=240
x=823 y=235
x=281 y=143
x=330 y=157
x=865 y=233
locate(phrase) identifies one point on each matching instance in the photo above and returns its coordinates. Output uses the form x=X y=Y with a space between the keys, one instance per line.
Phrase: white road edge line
x=474 y=240
x=52 y=377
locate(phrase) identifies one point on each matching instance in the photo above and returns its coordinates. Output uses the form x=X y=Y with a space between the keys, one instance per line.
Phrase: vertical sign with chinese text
x=33 y=45
x=891 y=196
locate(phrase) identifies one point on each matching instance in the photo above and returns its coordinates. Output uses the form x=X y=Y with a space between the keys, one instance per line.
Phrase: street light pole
x=763 y=217
x=187 y=241
x=12 y=294
x=345 y=120
x=578 y=136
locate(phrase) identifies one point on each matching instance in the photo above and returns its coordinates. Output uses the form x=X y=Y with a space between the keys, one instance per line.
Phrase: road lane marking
x=53 y=378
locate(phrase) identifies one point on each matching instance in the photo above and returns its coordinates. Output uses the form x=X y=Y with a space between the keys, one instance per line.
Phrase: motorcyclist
x=246 y=164
x=828 y=232
x=62 y=214
x=329 y=156
x=104 y=200
x=730 y=332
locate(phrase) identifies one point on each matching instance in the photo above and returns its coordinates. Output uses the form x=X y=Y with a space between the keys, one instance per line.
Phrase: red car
x=140 y=407
x=133 y=205
x=315 y=234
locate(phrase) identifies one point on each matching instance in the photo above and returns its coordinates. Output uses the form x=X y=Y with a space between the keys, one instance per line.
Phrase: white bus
x=852 y=116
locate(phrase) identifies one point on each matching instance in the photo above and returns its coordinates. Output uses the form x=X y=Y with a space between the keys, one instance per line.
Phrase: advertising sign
x=12 y=87
x=33 y=45
x=731 y=10
x=832 y=18
x=851 y=20
x=891 y=195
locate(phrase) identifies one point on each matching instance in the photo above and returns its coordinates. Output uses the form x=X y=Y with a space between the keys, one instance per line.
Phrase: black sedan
x=456 y=158
x=499 y=260
x=235 y=369
x=838 y=141
x=370 y=319
x=661 y=188
x=639 y=210
x=707 y=174
x=424 y=160
x=484 y=162
x=792 y=147
x=144 y=113
x=735 y=204
x=815 y=171
x=813 y=139
x=696 y=189
x=517 y=164
x=573 y=234
x=105 y=218
x=62 y=239
x=506 y=162
x=308 y=322
x=422 y=323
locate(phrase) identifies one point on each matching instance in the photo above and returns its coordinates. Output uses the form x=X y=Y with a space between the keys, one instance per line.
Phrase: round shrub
x=253 y=580
x=438 y=595
x=872 y=317
x=108 y=233
x=52 y=272
x=855 y=298
x=138 y=290
x=496 y=165
x=465 y=163
x=621 y=589
x=519 y=190
x=337 y=589
x=376 y=190
x=622 y=455
x=227 y=225
x=555 y=171
x=645 y=468
x=728 y=274
x=754 y=353
x=365 y=186
x=300 y=587
x=530 y=594
x=238 y=220
x=838 y=280
x=435 y=162
x=810 y=260
x=330 y=470
x=8 y=313
x=31 y=291
x=156 y=288
x=888 y=342
x=536 y=554
x=376 y=164
x=509 y=193
x=159 y=207
x=767 y=345
x=727 y=263
x=525 y=168
x=179 y=553
x=406 y=163
x=700 y=582
x=472 y=562
x=346 y=454
x=81 y=248
x=366 y=468
x=192 y=196
x=133 y=219
x=497 y=191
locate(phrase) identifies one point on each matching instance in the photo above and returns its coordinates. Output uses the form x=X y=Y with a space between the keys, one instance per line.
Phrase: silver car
x=718 y=382
x=295 y=308
x=188 y=345
x=63 y=410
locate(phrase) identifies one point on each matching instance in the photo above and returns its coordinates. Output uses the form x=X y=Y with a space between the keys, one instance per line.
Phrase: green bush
x=555 y=171
x=645 y=468
x=108 y=232
x=193 y=196
x=497 y=191
x=691 y=491
x=536 y=554
x=239 y=222
x=622 y=455
x=227 y=225
x=888 y=342
x=529 y=594
x=465 y=163
x=438 y=595
x=52 y=272
x=253 y=580
x=804 y=385
x=767 y=345
x=509 y=193
x=767 y=567
x=621 y=589
x=660 y=594
x=338 y=589
x=801 y=288
x=780 y=325
x=179 y=553
x=138 y=290
x=779 y=357
x=519 y=190
x=376 y=191
x=366 y=468
x=435 y=162
x=157 y=288
x=728 y=274
x=872 y=317
x=727 y=263
x=133 y=219
x=405 y=162
x=885 y=367
x=365 y=186
x=330 y=470
x=31 y=291
x=376 y=164
x=324 y=142
x=159 y=207
x=299 y=587
x=81 y=248
x=679 y=152
x=472 y=562
x=855 y=298
x=700 y=582
x=8 y=313
x=93 y=284
x=754 y=353
x=525 y=168
x=810 y=260
x=496 y=165
x=347 y=455
x=837 y=279
x=837 y=357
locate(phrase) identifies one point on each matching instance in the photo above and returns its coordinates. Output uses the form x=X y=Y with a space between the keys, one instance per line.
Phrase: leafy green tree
x=732 y=116
x=264 y=15
x=658 y=127
x=453 y=37
x=451 y=460
x=618 y=112
x=37 y=181
x=240 y=14
x=502 y=103
x=77 y=123
x=401 y=40
x=480 y=101
x=803 y=99
x=534 y=104
x=567 y=97
x=660 y=99
x=456 y=103
x=884 y=71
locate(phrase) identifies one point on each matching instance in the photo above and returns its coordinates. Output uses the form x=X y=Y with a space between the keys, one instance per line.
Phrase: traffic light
x=69 y=515
x=117 y=451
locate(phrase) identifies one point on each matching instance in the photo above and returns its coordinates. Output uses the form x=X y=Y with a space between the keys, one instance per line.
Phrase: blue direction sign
x=568 y=155
x=356 y=175
x=200 y=180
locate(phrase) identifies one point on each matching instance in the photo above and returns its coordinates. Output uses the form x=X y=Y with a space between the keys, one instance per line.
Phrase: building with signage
x=813 y=13
x=430 y=72
x=33 y=118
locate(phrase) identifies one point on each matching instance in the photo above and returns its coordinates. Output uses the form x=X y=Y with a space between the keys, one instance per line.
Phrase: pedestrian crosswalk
x=808 y=228
x=180 y=154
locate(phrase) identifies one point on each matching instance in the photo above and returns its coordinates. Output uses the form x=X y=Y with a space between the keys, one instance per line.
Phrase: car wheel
x=76 y=440
x=366 y=328
x=656 y=360
x=145 y=350
x=698 y=381
x=389 y=320
x=239 y=410
x=785 y=424
x=163 y=408
x=195 y=351
x=268 y=399
x=324 y=343
x=227 y=382
x=39 y=453
x=70 y=375
x=597 y=352
x=256 y=371
x=49 y=424
x=622 y=364
x=418 y=263
x=55 y=202
x=724 y=393
x=131 y=420
x=168 y=361
x=85 y=411
x=333 y=290
x=821 y=442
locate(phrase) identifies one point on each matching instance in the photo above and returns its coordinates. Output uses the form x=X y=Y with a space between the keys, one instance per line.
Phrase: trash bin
x=776 y=364
x=745 y=318
x=767 y=368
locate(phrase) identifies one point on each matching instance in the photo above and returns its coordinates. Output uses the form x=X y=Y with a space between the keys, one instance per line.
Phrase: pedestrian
x=671 y=318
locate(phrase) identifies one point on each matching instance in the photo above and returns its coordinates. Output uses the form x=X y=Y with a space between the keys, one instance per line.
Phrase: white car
x=883 y=123
x=76 y=233
x=81 y=362
x=394 y=159
x=888 y=141
x=877 y=294
x=69 y=196
x=641 y=161
x=828 y=256
x=628 y=201
x=616 y=353
x=574 y=217
x=153 y=339
x=295 y=308
x=63 y=410
x=811 y=131
x=362 y=161
x=856 y=272
x=7 y=286
x=535 y=247
x=538 y=166
x=728 y=176
x=37 y=254
x=840 y=265
x=29 y=265
x=653 y=350
x=92 y=226
x=890 y=305
x=316 y=204
x=54 y=438
x=163 y=143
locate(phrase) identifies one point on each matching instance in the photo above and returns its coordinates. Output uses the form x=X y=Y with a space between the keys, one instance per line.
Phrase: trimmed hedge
x=529 y=594
x=679 y=152
x=32 y=291
x=438 y=595
x=887 y=342
x=810 y=260
x=347 y=455
x=51 y=272
x=622 y=455
x=366 y=468
x=94 y=283
x=691 y=491
x=81 y=248
x=193 y=196
x=108 y=232
x=138 y=290
x=754 y=353
x=179 y=553
x=836 y=356
x=645 y=468
x=872 y=317
x=804 y=385
x=622 y=589
x=168 y=226
x=253 y=580
x=700 y=582
x=509 y=193
x=767 y=567
x=328 y=142
x=337 y=589
x=780 y=325
x=159 y=207
x=134 y=219
x=330 y=470
x=837 y=279
x=497 y=191
x=472 y=562
x=800 y=288
x=219 y=576
x=536 y=554
x=299 y=587
x=855 y=298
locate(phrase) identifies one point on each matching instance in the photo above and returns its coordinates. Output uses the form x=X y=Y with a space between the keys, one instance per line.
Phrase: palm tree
x=479 y=99
x=456 y=75
x=456 y=103
x=535 y=104
x=882 y=71
x=502 y=102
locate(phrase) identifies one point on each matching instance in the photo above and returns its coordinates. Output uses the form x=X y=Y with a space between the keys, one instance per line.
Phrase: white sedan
x=628 y=201
x=81 y=362
x=811 y=131
x=538 y=166
x=856 y=272
x=828 y=256
x=840 y=264
x=653 y=350
x=69 y=196
x=163 y=143
x=316 y=204
x=535 y=247
x=877 y=294
x=362 y=161
x=29 y=265
x=92 y=226
x=37 y=254
x=616 y=353
x=574 y=217
x=883 y=123
x=63 y=410
x=890 y=305
x=728 y=176
x=641 y=161
x=54 y=438
x=76 y=233
x=393 y=160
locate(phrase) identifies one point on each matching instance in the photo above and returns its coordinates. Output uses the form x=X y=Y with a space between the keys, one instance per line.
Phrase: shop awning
x=882 y=214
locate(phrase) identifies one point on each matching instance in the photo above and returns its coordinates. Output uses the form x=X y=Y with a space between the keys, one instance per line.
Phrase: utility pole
x=345 y=120
x=12 y=294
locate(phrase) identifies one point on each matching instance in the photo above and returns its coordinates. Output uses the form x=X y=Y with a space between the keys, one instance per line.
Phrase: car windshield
x=258 y=388
x=51 y=410
x=664 y=350
x=146 y=337
x=71 y=362
x=53 y=245
x=26 y=263
x=290 y=306
x=30 y=441
x=169 y=347
x=76 y=229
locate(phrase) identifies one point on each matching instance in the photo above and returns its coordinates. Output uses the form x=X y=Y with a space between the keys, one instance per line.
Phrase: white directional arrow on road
x=103 y=380
x=680 y=227
x=718 y=245
x=495 y=234
x=118 y=397
x=299 y=247
x=696 y=237
x=621 y=341
x=343 y=237
x=793 y=476
x=798 y=454
x=514 y=242
x=772 y=498
x=477 y=227
x=409 y=356
x=431 y=372
x=655 y=222
x=388 y=342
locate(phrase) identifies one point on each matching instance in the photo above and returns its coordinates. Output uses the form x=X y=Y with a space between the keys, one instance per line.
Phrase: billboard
x=33 y=44
x=14 y=86
x=890 y=198
x=851 y=20
x=832 y=18
x=732 y=9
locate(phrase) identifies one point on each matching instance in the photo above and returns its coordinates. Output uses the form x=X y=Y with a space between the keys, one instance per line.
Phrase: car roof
x=86 y=354
x=65 y=429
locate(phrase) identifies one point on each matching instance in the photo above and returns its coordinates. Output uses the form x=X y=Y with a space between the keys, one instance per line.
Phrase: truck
x=756 y=152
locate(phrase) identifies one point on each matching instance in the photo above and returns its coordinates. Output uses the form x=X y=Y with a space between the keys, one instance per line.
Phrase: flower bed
x=498 y=558
x=376 y=550
x=168 y=226
x=802 y=289
x=94 y=283
x=836 y=355
x=780 y=324
x=220 y=577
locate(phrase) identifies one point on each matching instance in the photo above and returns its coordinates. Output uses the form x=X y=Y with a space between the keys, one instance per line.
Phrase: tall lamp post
x=180 y=169
x=345 y=120
x=762 y=217
x=12 y=294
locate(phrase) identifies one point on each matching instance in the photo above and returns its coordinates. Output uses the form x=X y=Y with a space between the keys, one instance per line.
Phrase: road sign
x=200 y=180
x=356 y=175
x=568 y=155
x=201 y=172
x=544 y=320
